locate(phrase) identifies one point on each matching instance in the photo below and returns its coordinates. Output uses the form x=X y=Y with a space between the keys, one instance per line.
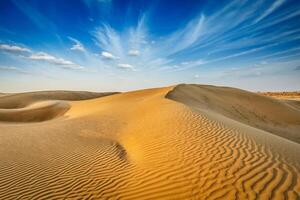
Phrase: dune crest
x=142 y=145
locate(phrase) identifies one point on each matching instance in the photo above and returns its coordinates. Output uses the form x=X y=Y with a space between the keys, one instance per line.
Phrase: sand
x=165 y=143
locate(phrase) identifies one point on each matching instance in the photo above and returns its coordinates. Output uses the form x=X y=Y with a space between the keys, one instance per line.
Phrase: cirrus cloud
x=14 y=49
x=42 y=56
x=77 y=46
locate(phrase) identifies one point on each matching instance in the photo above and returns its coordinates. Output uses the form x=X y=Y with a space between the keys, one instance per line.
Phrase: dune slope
x=273 y=115
x=141 y=145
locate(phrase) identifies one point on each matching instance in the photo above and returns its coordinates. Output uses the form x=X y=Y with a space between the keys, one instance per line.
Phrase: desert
x=178 y=142
x=149 y=100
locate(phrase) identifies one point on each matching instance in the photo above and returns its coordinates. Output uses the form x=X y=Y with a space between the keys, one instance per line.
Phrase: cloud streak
x=42 y=56
x=229 y=33
x=38 y=56
x=271 y=9
x=77 y=46
x=14 y=48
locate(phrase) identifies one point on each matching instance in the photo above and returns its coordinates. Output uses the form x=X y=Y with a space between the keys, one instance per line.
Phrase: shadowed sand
x=183 y=142
x=279 y=117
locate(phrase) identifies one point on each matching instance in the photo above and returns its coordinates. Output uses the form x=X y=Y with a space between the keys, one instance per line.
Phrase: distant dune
x=283 y=95
x=21 y=100
x=181 y=142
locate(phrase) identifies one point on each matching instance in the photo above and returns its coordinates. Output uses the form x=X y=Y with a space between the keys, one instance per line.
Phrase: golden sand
x=150 y=144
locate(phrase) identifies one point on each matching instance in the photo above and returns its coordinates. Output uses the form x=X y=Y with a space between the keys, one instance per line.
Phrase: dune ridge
x=142 y=145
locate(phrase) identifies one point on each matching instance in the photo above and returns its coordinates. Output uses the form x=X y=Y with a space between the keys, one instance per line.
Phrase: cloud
x=196 y=76
x=297 y=68
x=108 y=55
x=77 y=46
x=271 y=9
x=133 y=53
x=108 y=39
x=42 y=56
x=187 y=36
x=14 y=49
x=37 y=56
x=210 y=37
x=125 y=66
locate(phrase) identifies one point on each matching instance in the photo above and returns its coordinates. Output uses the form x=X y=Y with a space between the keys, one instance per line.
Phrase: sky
x=121 y=45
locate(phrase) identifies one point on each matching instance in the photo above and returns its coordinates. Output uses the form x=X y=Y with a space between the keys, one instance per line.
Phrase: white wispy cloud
x=45 y=57
x=228 y=33
x=109 y=40
x=222 y=35
x=108 y=55
x=42 y=56
x=38 y=56
x=271 y=9
x=14 y=48
x=78 y=46
x=188 y=36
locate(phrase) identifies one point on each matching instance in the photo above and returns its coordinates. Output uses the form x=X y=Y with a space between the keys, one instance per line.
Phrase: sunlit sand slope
x=141 y=145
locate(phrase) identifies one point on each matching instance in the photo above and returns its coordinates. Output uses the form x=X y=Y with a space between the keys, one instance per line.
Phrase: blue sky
x=119 y=45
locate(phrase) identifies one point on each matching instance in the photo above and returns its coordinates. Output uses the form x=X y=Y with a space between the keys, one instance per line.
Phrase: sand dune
x=21 y=100
x=39 y=106
x=166 y=143
x=37 y=112
x=279 y=117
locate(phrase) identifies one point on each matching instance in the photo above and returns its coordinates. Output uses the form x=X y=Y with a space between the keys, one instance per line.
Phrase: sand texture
x=182 y=142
